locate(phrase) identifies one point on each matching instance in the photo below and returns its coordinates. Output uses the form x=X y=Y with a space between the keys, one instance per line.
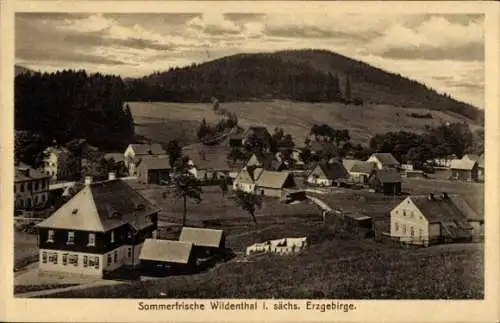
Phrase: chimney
x=111 y=176
x=88 y=180
x=430 y=197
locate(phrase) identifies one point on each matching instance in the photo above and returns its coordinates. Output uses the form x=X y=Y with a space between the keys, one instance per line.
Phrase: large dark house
x=99 y=230
x=206 y=242
x=385 y=181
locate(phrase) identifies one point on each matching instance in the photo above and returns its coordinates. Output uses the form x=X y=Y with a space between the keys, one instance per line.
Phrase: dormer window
x=71 y=237
x=112 y=236
x=50 y=236
x=91 y=240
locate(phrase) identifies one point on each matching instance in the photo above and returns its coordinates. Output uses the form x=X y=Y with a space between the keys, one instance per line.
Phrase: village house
x=246 y=178
x=361 y=171
x=443 y=162
x=153 y=170
x=163 y=257
x=100 y=229
x=274 y=184
x=259 y=133
x=385 y=181
x=206 y=242
x=424 y=220
x=349 y=163
x=464 y=169
x=471 y=157
x=57 y=163
x=208 y=162
x=268 y=161
x=31 y=188
x=384 y=161
x=135 y=152
x=279 y=246
x=480 y=168
x=327 y=174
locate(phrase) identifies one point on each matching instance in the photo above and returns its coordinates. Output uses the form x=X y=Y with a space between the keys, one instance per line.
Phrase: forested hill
x=302 y=75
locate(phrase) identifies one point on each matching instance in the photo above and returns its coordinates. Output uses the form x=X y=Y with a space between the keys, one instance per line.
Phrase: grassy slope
x=166 y=121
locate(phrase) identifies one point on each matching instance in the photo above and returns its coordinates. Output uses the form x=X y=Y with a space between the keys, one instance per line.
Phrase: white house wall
x=406 y=216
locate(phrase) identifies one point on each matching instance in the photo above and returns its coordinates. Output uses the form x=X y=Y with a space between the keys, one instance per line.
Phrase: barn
x=273 y=184
x=206 y=242
x=464 y=169
x=385 y=181
x=163 y=257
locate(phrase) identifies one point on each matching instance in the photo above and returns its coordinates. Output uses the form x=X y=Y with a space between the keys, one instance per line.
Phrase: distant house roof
x=333 y=170
x=25 y=172
x=166 y=251
x=102 y=206
x=202 y=237
x=480 y=161
x=249 y=175
x=266 y=160
x=463 y=164
x=148 y=149
x=153 y=162
x=363 y=167
x=438 y=209
x=349 y=163
x=473 y=157
x=386 y=159
x=387 y=176
x=272 y=179
x=208 y=157
x=117 y=157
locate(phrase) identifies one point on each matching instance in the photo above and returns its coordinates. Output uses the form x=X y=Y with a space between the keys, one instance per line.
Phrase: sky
x=445 y=52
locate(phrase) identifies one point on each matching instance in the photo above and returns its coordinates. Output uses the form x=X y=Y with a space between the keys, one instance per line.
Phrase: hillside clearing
x=164 y=121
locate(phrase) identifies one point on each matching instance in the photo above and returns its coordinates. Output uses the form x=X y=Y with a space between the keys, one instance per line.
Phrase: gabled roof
x=166 y=251
x=473 y=157
x=102 y=206
x=463 y=164
x=153 y=162
x=439 y=209
x=349 y=163
x=333 y=170
x=363 y=167
x=386 y=158
x=202 y=237
x=271 y=179
x=148 y=149
x=387 y=176
x=208 y=157
x=25 y=172
x=266 y=160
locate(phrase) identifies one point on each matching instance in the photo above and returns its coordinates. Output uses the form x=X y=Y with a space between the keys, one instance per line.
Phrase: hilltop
x=298 y=75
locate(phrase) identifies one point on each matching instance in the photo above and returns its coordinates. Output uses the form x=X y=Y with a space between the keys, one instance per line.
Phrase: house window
x=109 y=259
x=29 y=186
x=115 y=256
x=404 y=228
x=36 y=186
x=412 y=232
x=129 y=252
x=44 y=257
x=50 y=236
x=112 y=236
x=21 y=187
x=91 y=240
x=85 y=261
x=73 y=260
x=129 y=235
x=396 y=226
x=65 y=259
x=53 y=258
x=71 y=237
x=96 y=263
x=404 y=212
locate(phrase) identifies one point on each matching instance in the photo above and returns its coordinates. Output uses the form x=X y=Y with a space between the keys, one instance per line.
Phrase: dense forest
x=301 y=75
x=72 y=104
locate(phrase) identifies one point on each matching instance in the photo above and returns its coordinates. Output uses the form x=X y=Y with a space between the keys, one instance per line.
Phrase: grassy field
x=164 y=121
x=25 y=248
x=337 y=265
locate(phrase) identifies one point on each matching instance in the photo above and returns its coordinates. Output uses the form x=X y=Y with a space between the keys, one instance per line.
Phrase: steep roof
x=202 y=237
x=388 y=176
x=272 y=179
x=152 y=162
x=208 y=157
x=267 y=160
x=386 y=158
x=438 y=209
x=102 y=206
x=363 y=167
x=166 y=250
x=463 y=164
x=333 y=170
x=25 y=172
x=148 y=149
x=349 y=163
x=473 y=157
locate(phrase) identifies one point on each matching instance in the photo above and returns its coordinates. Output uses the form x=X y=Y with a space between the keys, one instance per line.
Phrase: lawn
x=164 y=121
x=25 y=249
